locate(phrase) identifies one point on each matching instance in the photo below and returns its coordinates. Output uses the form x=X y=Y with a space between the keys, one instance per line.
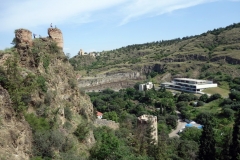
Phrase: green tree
x=214 y=97
x=228 y=113
x=207 y=149
x=188 y=150
x=111 y=116
x=107 y=145
x=203 y=98
x=192 y=134
x=235 y=146
x=171 y=120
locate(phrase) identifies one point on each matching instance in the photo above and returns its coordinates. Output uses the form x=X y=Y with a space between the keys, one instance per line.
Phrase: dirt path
x=180 y=125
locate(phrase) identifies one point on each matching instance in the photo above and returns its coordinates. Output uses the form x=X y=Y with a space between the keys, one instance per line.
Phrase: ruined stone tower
x=142 y=120
x=23 y=41
x=23 y=36
x=56 y=35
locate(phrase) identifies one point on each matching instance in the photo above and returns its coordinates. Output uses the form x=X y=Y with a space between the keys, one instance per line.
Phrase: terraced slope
x=211 y=55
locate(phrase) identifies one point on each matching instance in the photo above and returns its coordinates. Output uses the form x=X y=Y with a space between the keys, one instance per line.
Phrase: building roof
x=99 y=113
x=190 y=79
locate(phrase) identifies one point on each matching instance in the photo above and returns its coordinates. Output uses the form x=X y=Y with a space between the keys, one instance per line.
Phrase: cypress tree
x=207 y=149
x=235 y=146
x=151 y=143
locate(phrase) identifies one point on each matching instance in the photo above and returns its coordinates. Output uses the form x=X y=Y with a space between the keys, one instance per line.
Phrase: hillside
x=43 y=115
x=211 y=55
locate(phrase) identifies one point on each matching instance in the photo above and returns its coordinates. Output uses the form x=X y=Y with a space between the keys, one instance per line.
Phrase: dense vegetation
x=215 y=113
x=50 y=139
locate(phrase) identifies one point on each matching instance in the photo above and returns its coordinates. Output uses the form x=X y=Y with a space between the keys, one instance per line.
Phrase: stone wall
x=108 y=123
x=56 y=35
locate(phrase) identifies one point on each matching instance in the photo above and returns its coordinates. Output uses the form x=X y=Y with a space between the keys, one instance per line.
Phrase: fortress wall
x=108 y=123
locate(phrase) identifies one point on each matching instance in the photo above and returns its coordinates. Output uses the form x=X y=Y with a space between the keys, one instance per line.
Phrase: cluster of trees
x=214 y=141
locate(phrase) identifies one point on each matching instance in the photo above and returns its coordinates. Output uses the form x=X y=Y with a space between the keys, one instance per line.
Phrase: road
x=180 y=125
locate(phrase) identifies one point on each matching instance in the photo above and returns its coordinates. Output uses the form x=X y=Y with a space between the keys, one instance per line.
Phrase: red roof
x=99 y=113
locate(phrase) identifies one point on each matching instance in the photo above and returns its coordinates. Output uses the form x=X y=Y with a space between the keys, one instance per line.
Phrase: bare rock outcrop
x=15 y=135
x=56 y=35
x=106 y=80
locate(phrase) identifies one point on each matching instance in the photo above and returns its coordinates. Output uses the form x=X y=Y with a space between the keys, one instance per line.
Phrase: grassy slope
x=212 y=44
x=221 y=91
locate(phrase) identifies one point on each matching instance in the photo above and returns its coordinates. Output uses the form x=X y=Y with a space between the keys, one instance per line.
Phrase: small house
x=99 y=115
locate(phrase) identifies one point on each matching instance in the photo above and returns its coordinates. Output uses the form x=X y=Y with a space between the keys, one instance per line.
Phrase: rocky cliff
x=16 y=134
x=47 y=107
x=114 y=81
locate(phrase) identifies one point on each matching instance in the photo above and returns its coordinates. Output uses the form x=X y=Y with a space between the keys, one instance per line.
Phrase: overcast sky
x=97 y=25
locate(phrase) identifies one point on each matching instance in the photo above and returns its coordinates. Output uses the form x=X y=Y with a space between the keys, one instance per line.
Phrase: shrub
x=46 y=62
x=203 y=98
x=82 y=131
x=46 y=142
x=41 y=83
x=37 y=124
x=234 y=95
x=200 y=103
x=214 y=97
x=228 y=113
x=186 y=97
x=68 y=113
x=111 y=116
x=53 y=47
x=72 y=83
x=3 y=78
x=67 y=125
x=181 y=104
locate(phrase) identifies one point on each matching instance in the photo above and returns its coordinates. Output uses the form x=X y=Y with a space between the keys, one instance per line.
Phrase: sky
x=97 y=25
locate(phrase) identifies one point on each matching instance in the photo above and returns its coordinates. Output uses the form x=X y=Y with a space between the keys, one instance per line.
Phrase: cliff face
x=15 y=135
x=45 y=85
x=119 y=80
x=109 y=80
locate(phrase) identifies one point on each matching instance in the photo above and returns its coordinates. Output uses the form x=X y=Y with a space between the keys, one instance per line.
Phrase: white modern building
x=189 y=85
x=147 y=86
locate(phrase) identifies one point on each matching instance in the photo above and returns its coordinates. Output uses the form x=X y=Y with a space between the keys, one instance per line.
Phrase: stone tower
x=23 y=37
x=56 y=35
x=81 y=53
x=142 y=120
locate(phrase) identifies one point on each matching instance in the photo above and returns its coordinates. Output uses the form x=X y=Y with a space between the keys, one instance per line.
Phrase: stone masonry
x=142 y=120
x=108 y=123
x=56 y=35
x=23 y=36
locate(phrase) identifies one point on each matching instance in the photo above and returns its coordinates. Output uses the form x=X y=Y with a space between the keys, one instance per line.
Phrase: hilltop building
x=92 y=54
x=189 y=85
x=144 y=119
x=146 y=86
x=81 y=52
